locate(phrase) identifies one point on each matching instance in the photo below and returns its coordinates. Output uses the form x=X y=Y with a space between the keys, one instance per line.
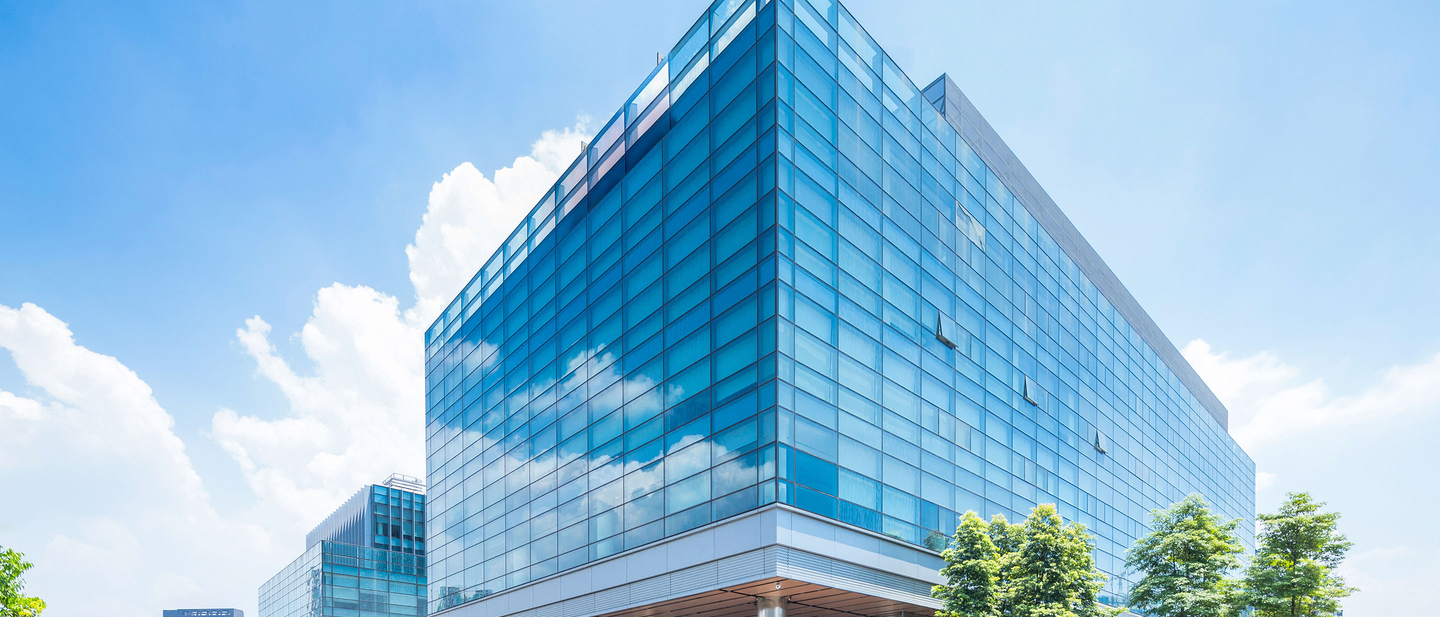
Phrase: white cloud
x=1269 y=402
x=470 y=215
x=124 y=513
x=92 y=401
x=1363 y=453
x=359 y=414
x=129 y=527
x=356 y=418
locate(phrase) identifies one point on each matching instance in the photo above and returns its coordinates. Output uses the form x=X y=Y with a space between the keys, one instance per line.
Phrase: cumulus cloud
x=1363 y=452
x=358 y=414
x=1269 y=401
x=125 y=512
x=90 y=400
x=355 y=418
x=128 y=518
x=470 y=215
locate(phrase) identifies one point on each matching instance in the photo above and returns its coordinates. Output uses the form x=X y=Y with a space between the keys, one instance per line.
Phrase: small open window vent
x=1033 y=393
x=940 y=334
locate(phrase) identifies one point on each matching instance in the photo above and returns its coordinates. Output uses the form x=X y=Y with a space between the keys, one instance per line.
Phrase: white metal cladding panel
x=755 y=565
x=614 y=598
x=813 y=568
x=775 y=542
x=650 y=590
x=696 y=579
x=551 y=610
x=744 y=568
x=576 y=607
x=750 y=566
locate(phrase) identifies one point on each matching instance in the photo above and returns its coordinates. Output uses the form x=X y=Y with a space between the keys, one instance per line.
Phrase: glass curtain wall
x=599 y=385
x=343 y=580
x=778 y=275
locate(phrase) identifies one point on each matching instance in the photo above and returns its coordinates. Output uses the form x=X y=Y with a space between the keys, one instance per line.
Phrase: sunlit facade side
x=782 y=274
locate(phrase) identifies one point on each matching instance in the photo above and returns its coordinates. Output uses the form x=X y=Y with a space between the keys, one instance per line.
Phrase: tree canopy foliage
x=1045 y=568
x=13 y=601
x=1183 y=564
x=1038 y=568
x=1293 y=571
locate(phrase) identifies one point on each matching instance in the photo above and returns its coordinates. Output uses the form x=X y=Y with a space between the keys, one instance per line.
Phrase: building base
x=724 y=570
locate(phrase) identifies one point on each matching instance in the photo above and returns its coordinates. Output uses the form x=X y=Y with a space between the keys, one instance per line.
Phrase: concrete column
x=772 y=607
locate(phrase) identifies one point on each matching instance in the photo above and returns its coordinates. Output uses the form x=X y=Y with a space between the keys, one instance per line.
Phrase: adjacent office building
x=783 y=321
x=367 y=559
x=203 y=612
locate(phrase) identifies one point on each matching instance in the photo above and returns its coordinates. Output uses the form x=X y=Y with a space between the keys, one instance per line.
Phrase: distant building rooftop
x=404 y=483
x=388 y=515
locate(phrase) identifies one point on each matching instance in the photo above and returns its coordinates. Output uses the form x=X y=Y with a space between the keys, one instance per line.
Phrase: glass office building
x=367 y=559
x=789 y=301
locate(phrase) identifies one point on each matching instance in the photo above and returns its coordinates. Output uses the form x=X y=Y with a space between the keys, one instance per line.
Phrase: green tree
x=1039 y=568
x=13 y=602
x=1183 y=563
x=1008 y=538
x=1054 y=573
x=970 y=571
x=1293 y=572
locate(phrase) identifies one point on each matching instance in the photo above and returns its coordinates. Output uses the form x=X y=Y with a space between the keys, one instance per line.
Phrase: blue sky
x=1260 y=175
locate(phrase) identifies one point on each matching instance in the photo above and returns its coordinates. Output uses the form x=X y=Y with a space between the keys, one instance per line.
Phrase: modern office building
x=367 y=559
x=203 y=612
x=785 y=317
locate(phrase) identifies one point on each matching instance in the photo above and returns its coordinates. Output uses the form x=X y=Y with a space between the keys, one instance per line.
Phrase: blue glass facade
x=345 y=580
x=367 y=559
x=384 y=516
x=782 y=274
